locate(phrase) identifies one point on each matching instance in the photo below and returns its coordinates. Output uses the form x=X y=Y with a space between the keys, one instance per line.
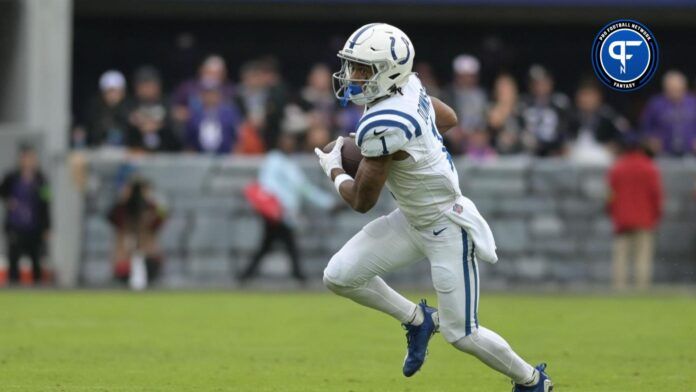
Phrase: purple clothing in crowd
x=348 y=119
x=213 y=130
x=27 y=200
x=24 y=215
x=188 y=94
x=673 y=124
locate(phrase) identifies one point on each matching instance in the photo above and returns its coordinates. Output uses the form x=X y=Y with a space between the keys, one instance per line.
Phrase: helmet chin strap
x=352 y=89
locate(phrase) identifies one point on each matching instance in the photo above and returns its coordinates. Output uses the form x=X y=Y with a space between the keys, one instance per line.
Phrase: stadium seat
x=554 y=178
x=172 y=237
x=210 y=234
x=511 y=235
x=248 y=232
x=216 y=266
x=537 y=209
x=525 y=206
x=546 y=226
x=572 y=207
x=99 y=236
x=186 y=176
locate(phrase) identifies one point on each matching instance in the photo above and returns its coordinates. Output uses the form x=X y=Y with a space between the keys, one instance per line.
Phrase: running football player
x=399 y=136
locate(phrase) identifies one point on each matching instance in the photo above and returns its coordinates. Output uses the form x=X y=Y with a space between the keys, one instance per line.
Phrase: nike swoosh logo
x=379 y=133
x=438 y=232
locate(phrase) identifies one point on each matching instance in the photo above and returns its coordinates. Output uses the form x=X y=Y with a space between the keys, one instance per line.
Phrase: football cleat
x=544 y=385
x=417 y=338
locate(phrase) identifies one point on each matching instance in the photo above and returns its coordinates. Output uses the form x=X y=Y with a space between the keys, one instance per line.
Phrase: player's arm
x=363 y=192
x=378 y=141
x=445 y=116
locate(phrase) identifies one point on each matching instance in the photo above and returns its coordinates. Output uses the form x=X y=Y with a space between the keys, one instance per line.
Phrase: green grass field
x=237 y=341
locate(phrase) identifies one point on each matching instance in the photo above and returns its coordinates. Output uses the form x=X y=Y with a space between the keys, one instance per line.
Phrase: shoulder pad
x=385 y=132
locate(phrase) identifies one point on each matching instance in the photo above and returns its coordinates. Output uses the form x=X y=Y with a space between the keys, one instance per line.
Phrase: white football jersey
x=426 y=184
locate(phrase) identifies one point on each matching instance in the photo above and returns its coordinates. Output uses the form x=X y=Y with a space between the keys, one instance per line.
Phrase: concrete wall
x=12 y=61
x=548 y=218
x=35 y=69
x=36 y=48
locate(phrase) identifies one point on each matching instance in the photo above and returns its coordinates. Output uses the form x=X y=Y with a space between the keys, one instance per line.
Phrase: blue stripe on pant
x=468 y=256
x=467 y=284
x=476 y=282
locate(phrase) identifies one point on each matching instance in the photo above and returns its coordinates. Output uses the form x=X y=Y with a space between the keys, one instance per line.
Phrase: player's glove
x=332 y=159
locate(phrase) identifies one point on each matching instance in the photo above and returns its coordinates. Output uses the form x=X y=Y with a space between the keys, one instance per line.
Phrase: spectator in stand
x=478 y=146
x=669 y=119
x=427 y=77
x=106 y=118
x=250 y=98
x=635 y=208
x=262 y=98
x=150 y=129
x=595 y=128
x=468 y=99
x=26 y=195
x=545 y=115
x=296 y=121
x=504 y=122
x=316 y=137
x=318 y=98
x=278 y=99
x=282 y=179
x=187 y=97
x=213 y=126
x=252 y=94
x=348 y=119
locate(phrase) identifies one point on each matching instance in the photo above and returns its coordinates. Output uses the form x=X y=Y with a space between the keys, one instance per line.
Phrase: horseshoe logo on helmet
x=393 y=53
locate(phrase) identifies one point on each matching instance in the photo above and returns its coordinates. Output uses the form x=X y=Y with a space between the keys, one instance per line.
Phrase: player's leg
x=645 y=240
x=381 y=246
x=491 y=349
x=269 y=235
x=33 y=248
x=287 y=235
x=620 y=261
x=455 y=277
x=13 y=255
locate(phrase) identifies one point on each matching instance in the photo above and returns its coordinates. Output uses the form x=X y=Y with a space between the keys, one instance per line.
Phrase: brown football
x=350 y=155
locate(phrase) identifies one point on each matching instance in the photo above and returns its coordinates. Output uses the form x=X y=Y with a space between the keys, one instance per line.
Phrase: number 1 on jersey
x=384 y=146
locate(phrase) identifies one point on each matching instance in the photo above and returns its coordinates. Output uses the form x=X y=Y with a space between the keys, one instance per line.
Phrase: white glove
x=332 y=159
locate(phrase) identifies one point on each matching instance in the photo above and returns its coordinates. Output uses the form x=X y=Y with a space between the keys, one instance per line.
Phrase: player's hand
x=332 y=159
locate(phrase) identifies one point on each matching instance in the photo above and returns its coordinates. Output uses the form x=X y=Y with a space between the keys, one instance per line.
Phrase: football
x=350 y=155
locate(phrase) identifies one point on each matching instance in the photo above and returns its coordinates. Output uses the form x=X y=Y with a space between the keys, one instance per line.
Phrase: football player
x=399 y=136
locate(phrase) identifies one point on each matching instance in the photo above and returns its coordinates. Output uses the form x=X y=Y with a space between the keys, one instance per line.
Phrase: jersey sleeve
x=382 y=141
x=385 y=132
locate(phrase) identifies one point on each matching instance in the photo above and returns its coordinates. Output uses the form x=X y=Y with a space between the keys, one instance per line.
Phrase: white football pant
x=389 y=243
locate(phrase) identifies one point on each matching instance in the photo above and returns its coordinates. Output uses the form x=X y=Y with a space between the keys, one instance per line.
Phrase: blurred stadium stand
x=127 y=34
x=548 y=217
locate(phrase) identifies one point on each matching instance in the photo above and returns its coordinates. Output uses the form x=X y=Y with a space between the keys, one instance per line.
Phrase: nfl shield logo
x=458 y=208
